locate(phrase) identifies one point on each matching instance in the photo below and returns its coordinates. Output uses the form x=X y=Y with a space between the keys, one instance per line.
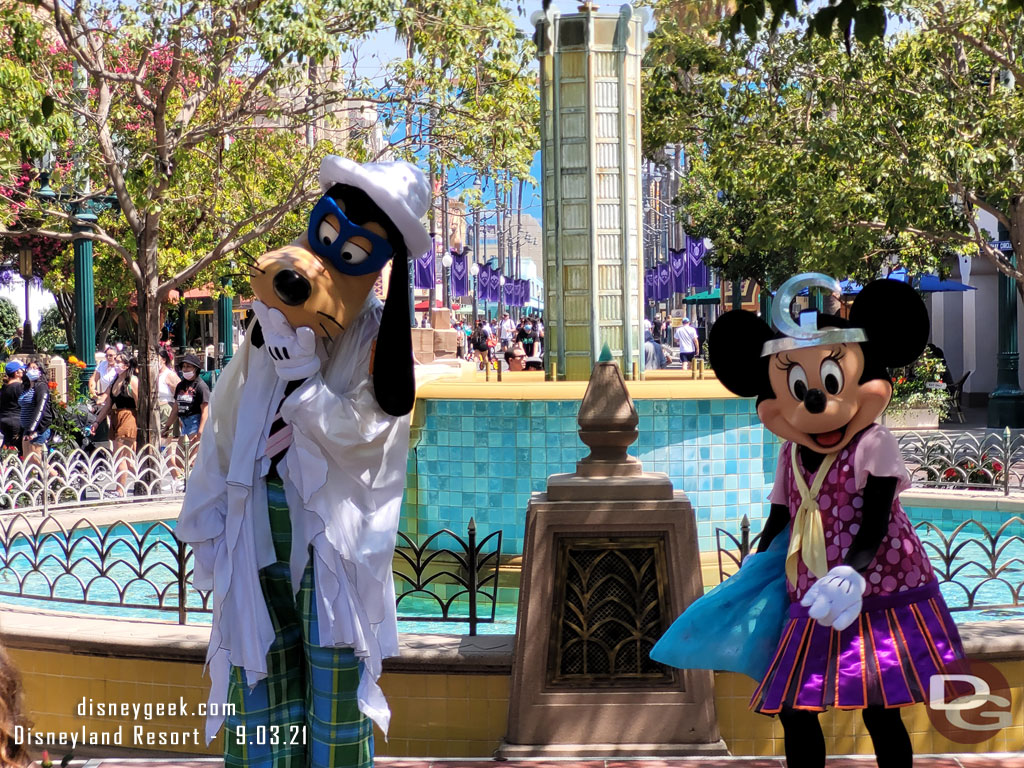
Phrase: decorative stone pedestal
x=610 y=559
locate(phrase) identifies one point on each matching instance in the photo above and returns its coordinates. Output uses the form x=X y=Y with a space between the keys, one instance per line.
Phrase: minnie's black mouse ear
x=895 y=319
x=735 y=343
x=394 y=384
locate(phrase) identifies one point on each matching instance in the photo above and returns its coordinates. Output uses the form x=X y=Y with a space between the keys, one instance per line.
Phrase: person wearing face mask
x=122 y=403
x=36 y=411
x=193 y=398
x=10 y=411
x=527 y=336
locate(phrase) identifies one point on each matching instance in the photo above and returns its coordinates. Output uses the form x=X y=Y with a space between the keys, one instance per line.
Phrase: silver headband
x=806 y=333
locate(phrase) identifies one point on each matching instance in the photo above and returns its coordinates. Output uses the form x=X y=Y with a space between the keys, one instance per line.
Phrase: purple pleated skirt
x=885 y=658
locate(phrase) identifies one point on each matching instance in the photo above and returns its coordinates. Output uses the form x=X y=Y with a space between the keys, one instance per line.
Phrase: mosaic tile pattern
x=482 y=459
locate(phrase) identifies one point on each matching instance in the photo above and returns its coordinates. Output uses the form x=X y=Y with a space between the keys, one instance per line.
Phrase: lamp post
x=474 y=268
x=446 y=264
x=25 y=268
x=84 y=212
x=225 y=324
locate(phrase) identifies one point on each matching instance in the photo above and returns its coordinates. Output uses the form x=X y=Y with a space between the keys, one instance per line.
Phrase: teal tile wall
x=482 y=459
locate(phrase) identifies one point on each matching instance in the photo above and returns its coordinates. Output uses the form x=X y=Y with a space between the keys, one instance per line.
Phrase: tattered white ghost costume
x=344 y=475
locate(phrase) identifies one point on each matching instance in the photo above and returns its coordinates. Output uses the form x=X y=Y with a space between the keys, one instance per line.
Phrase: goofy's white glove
x=293 y=350
x=835 y=599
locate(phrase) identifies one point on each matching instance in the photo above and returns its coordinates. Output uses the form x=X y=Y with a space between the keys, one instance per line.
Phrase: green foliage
x=10 y=320
x=468 y=92
x=803 y=157
x=51 y=331
x=863 y=19
x=920 y=385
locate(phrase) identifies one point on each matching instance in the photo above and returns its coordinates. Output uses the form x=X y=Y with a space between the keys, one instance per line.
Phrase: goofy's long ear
x=394 y=384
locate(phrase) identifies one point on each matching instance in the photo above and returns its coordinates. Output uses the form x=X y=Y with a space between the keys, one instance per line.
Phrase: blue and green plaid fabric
x=305 y=713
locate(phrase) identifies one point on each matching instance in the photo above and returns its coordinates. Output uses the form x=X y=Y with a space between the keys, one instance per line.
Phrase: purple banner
x=508 y=293
x=459 y=276
x=677 y=260
x=526 y=292
x=495 y=280
x=697 y=273
x=424 y=275
x=664 y=282
x=483 y=284
x=649 y=285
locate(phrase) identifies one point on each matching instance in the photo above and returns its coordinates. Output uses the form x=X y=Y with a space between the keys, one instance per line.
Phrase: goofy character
x=293 y=507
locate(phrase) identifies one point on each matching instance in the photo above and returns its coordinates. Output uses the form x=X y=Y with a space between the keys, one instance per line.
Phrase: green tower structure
x=591 y=170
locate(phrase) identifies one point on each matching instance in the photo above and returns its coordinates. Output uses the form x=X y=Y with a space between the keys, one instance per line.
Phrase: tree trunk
x=66 y=308
x=147 y=342
x=105 y=319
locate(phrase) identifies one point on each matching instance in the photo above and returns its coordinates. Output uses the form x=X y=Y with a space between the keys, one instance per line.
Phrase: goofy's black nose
x=291 y=287
x=814 y=400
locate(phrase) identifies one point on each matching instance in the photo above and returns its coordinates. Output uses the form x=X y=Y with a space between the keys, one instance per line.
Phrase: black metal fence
x=974 y=460
x=146 y=571
x=985 y=567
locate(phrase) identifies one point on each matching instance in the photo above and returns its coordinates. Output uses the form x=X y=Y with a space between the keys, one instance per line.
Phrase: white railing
x=60 y=479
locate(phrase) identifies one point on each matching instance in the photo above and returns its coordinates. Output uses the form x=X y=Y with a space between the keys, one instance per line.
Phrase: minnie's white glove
x=293 y=350
x=835 y=599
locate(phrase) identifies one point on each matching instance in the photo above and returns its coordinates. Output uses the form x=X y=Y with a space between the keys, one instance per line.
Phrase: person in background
x=99 y=385
x=686 y=340
x=192 y=397
x=460 y=340
x=166 y=382
x=478 y=341
x=527 y=336
x=654 y=355
x=10 y=411
x=538 y=327
x=506 y=330
x=13 y=749
x=36 y=412
x=123 y=404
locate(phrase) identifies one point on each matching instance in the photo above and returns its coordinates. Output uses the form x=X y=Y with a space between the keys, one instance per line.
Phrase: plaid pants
x=305 y=713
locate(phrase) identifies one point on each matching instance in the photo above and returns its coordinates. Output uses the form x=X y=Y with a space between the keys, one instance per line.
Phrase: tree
x=864 y=20
x=154 y=90
x=51 y=330
x=10 y=320
x=847 y=160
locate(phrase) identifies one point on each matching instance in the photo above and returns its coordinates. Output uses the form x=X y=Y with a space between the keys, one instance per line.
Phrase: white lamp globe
x=501 y=280
x=446 y=260
x=474 y=269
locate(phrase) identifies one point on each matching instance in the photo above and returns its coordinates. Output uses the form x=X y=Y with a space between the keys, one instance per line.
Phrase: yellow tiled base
x=442 y=715
x=60 y=685
x=748 y=733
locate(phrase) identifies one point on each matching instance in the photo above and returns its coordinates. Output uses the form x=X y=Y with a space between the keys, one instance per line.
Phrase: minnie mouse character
x=867 y=626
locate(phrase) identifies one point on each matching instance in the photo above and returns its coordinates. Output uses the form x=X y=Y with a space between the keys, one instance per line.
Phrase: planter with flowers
x=919 y=397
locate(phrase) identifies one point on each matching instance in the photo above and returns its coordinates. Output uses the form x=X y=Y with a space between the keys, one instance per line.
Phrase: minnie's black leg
x=805 y=743
x=890 y=737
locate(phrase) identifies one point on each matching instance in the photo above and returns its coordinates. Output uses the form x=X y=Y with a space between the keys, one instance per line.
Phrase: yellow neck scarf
x=807 y=539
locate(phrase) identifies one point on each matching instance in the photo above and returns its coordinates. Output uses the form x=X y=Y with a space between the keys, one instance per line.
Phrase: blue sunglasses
x=334 y=245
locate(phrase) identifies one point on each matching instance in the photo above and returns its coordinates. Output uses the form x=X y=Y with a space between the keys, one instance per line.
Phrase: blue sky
x=381 y=48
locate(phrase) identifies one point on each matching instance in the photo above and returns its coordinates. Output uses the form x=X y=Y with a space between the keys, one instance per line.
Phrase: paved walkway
x=1000 y=760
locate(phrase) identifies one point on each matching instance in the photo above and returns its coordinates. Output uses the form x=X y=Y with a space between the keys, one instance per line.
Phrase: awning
x=931 y=283
x=707 y=297
x=421 y=306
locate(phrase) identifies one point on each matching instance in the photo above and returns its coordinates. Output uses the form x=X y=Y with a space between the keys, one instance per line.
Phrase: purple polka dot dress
x=904 y=633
